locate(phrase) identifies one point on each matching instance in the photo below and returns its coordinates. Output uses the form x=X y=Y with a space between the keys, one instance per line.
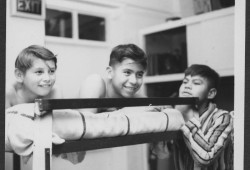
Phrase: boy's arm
x=93 y=87
x=9 y=95
x=7 y=102
x=206 y=147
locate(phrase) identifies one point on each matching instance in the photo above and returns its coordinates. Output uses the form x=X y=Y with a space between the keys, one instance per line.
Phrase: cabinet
x=202 y=39
x=173 y=46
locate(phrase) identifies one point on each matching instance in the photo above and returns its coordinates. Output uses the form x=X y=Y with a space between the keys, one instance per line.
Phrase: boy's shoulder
x=220 y=112
x=93 y=86
x=94 y=78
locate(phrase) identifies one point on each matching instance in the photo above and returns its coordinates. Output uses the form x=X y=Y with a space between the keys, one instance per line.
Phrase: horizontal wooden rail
x=50 y=104
x=108 y=142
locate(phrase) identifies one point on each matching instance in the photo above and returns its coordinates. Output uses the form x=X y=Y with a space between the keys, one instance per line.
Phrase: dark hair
x=131 y=51
x=206 y=72
x=26 y=57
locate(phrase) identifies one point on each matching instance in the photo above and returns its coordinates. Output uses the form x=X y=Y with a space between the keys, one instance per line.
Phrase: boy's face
x=40 y=78
x=196 y=86
x=126 y=78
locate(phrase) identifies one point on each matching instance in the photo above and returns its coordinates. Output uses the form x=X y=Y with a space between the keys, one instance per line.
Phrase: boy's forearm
x=72 y=125
x=206 y=148
x=187 y=111
x=67 y=124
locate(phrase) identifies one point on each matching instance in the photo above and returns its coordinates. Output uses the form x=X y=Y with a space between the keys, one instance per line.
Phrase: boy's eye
x=39 y=72
x=127 y=73
x=184 y=81
x=197 y=82
x=139 y=75
x=52 y=71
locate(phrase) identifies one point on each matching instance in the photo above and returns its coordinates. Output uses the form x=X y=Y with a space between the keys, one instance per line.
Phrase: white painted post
x=42 y=142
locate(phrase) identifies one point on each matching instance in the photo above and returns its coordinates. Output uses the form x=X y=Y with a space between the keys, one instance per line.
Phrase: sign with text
x=28 y=8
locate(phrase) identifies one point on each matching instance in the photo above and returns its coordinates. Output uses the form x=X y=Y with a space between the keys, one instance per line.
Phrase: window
x=167 y=51
x=58 y=23
x=91 y=27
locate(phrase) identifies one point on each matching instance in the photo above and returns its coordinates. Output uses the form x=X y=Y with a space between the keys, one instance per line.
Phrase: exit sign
x=28 y=8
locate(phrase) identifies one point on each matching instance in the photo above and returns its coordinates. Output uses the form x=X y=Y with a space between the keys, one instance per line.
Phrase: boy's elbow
x=204 y=162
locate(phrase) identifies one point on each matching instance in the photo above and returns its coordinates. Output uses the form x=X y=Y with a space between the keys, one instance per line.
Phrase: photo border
x=247 y=90
x=3 y=76
x=2 y=80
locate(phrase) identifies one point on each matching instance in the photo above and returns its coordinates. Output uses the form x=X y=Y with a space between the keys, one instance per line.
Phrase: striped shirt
x=206 y=143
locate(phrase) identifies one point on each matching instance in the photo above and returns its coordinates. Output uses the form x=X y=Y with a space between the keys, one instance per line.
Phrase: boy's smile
x=127 y=78
x=40 y=78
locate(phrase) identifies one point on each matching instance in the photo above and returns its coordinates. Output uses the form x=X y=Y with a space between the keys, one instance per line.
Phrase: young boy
x=125 y=72
x=206 y=132
x=35 y=69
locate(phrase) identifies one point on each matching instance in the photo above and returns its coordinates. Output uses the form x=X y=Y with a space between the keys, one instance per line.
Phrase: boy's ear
x=19 y=75
x=109 y=72
x=212 y=93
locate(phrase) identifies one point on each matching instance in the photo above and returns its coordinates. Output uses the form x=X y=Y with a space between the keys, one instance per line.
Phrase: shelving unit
x=209 y=35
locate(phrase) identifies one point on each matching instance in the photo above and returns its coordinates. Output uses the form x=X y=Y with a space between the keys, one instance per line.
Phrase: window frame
x=75 y=31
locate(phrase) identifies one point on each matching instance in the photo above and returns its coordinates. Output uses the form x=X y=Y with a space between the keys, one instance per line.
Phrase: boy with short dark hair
x=125 y=73
x=207 y=129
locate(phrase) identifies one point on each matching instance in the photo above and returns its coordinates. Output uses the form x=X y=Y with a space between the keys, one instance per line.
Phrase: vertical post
x=42 y=142
x=2 y=80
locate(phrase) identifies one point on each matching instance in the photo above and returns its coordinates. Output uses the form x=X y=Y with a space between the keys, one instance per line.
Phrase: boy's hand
x=176 y=120
x=56 y=139
x=157 y=108
x=187 y=111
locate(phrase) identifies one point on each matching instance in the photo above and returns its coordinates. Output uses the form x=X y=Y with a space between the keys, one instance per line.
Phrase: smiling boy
x=125 y=73
x=35 y=69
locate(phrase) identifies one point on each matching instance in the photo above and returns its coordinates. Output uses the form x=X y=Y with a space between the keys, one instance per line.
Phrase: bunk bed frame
x=43 y=147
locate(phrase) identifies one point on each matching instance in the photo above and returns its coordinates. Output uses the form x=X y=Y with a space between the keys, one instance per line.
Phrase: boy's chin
x=183 y=108
x=128 y=95
x=43 y=94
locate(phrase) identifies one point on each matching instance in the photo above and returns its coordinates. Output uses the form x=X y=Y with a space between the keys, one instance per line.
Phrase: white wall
x=213 y=39
x=20 y=33
x=239 y=64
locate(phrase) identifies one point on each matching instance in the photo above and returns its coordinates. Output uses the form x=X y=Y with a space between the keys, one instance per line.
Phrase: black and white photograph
x=124 y=85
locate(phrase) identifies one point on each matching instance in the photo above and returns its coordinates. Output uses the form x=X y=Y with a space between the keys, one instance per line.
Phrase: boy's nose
x=188 y=86
x=46 y=77
x=132 y=79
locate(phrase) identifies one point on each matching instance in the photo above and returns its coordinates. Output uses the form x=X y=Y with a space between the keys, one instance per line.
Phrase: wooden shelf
x=163 y=78
x=189 y=20
x=214 y=51
x=180 y=76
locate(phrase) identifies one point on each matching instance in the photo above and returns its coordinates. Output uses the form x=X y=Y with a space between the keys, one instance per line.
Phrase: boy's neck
x=110 y=92
x=203 y=107
x=25 y=96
